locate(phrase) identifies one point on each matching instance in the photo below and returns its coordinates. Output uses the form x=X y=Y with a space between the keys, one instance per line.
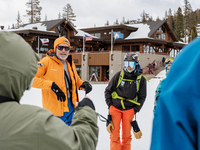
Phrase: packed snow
x=144 y=117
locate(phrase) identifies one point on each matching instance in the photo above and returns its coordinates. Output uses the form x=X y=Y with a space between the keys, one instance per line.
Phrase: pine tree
x=13 y=26
x=45 y=17
x=144 y=16
x=150 y=19
x=107 y=23
x=186 y=11
x=192 y=20
x=19 y=21
x=158 y=19
x=59 y=16
x=193 y=33
x=117 y=22
x=35 y=11
x=170 y=19
x=123 y=20
x=179 y=25
x=68 y=14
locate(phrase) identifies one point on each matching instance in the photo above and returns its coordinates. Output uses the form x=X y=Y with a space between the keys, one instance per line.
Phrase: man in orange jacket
x=59 y=81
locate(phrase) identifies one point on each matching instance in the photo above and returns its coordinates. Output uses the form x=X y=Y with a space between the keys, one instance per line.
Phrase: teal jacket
x=157 y=92
x=26 y=127
x=176 y=124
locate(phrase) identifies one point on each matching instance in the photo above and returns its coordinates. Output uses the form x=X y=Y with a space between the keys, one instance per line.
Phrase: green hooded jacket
x=26 y=127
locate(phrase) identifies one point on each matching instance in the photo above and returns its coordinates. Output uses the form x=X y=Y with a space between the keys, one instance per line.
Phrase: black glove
x=109 y=119
x=86 y=102
x=87 y=86
x=59 y=93
x=109 y=124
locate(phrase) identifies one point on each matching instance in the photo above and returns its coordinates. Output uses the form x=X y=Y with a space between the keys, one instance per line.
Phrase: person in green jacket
x=26 y=127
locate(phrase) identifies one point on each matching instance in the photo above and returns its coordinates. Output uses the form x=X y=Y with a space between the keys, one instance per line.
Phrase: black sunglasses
x=61 y=48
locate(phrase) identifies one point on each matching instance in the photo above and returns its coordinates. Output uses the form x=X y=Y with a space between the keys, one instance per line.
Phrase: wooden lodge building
x=100 y=59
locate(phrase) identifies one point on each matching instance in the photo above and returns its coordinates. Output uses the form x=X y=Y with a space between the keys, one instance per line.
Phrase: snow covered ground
x=144 y=117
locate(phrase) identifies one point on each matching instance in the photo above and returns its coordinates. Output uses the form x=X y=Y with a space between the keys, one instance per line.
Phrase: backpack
x=115 y=95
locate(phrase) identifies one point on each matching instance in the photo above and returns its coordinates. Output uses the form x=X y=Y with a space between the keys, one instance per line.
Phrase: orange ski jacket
x=50 y=70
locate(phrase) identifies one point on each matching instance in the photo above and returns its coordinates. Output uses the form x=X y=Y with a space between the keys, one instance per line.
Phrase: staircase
x=155 y=70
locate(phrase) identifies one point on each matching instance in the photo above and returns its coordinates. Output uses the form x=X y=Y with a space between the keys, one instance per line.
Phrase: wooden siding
x=77 y=59
x=98 y=59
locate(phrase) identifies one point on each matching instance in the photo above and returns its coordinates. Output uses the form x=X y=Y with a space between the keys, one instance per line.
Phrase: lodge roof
x=50 y=24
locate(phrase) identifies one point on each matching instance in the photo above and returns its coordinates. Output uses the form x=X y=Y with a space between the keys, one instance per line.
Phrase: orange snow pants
x=126 y=117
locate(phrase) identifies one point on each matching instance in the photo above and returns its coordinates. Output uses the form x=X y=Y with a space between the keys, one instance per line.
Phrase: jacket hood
x=18 y=65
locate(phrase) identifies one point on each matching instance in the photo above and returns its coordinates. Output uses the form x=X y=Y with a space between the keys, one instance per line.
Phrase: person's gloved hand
x=136 y=130
x=59 y=93
x=86 y=102
x=109 y=124
x=86 y=86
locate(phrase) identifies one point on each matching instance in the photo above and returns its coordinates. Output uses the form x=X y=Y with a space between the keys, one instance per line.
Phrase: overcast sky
x=92 y=12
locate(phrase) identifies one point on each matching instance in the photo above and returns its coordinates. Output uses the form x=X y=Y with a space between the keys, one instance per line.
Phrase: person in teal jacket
x=176 y=124
x=168 y=63
x=26 y=127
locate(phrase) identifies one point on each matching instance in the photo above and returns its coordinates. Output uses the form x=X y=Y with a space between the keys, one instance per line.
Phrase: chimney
x=2 y=27
x=34 y=28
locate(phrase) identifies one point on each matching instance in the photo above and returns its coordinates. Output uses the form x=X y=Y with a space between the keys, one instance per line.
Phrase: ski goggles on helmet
x=131 y=64
x=61 y=48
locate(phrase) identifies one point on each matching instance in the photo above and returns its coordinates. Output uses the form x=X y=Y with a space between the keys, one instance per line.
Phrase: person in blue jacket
x=168 y=63
x=176 y=124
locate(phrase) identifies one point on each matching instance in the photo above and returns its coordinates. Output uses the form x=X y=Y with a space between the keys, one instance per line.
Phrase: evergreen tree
x=166 y=15
x=193 y=33
x=186 y=11
x=192 y=20
x=35 y=11
x=179 y=25
x=150 y=19
x=45 y=17
x=13 y=26
x=144 y=16
x=59 y=16
x=117 y=22
x=158 y=19
x=107 y=23
x=170 y=19
x=197 y=12
x=19 y=21
x=68 y=14
x=123 y=20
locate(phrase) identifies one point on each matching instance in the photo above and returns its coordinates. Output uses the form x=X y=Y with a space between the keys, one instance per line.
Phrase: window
x=135 y=48
x=163 y=37
x=60 y=29
x=78 y=69
x=126 y=48
x=158 y=36
x=96 y=34
x=95 y=70
x=163 y=29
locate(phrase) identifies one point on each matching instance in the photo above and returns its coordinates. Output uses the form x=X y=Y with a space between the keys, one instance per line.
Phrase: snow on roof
x=82 y=33
x=142 y=32
x=40 y=26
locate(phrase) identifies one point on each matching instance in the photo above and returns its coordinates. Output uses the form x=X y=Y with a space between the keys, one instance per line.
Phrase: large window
x=158 y=35
x=95 y=70
x=161 y=33
x=96 y=34
x=126 y=48
x=135 y=48
x=61 y=30
x=78 y=69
